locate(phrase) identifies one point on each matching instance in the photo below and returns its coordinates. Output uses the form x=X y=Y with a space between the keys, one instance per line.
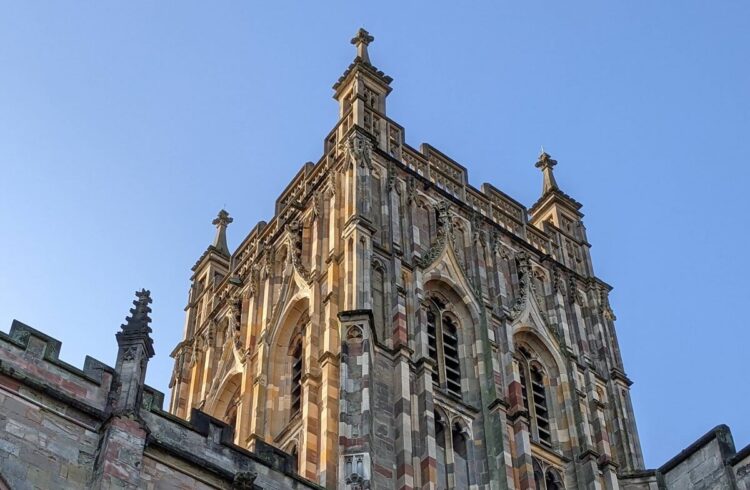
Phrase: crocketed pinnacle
x=139 y=321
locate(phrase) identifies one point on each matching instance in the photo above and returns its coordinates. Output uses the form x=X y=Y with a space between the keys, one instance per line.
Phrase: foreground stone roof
x=61 y=429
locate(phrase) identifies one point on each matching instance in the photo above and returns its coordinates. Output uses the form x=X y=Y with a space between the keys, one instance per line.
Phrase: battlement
x=58 y=418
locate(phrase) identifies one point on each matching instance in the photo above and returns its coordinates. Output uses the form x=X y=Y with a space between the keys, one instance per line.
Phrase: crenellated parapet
x=65 y=427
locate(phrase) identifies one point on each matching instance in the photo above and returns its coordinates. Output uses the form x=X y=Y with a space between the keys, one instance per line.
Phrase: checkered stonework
x=449 y=336
x=391 y=327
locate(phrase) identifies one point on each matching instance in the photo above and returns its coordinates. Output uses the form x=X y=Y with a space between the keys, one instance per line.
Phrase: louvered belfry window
x=442 y=347
x=540 y=405
x=450 y=351
x=432 y=346
x=296 y=391
x=534 y=394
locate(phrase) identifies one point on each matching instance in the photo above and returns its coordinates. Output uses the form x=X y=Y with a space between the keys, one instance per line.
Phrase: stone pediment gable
x=526 y=312
x=446 y=266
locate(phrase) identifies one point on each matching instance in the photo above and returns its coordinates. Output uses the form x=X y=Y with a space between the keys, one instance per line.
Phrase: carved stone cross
x=221 y=222
x=545 y=163
x=361 y=41
x=223 y=219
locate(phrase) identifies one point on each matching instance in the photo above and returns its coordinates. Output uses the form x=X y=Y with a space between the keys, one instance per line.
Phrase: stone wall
x=709 y=463
x=59 y=428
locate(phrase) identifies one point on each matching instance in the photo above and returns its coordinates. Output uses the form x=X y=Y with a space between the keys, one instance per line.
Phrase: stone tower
x=393 y=326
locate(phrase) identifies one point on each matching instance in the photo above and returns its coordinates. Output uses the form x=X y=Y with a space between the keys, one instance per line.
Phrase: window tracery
x=546 y=477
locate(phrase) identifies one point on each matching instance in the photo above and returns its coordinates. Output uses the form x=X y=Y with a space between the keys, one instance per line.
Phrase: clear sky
x=126 y=126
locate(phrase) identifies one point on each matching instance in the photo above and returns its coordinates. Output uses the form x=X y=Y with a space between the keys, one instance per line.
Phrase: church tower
x=393 y=326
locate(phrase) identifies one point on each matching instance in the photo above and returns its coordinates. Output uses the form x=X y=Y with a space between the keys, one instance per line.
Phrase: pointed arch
x=543 y=377
x=227 y=397
x=285 y=365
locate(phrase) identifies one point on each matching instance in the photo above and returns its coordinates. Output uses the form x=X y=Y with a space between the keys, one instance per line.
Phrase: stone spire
x=137 y=325
x=546 y=163
x=220 y=241
x=361 y=41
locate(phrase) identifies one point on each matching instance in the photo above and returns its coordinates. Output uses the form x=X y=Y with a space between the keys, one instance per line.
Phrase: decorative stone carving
x=604 y=306
x=211 y=332
x=316 y=205
x=391 y=176
x=445 y=233
x=411 y=189
x=244 y=480
x=477 y=225
x=358 y=150
x=294 y=233
x=557 y=281
x=574 y=295
x=129 y=353
x=354 y=333
x=524 y=284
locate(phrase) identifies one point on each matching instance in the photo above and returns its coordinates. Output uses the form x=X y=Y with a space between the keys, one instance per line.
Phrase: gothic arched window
x=452 y=444
x=552 y=480
x=534 y=395
x=295 y=458
x=231 y=415
x=442 y=338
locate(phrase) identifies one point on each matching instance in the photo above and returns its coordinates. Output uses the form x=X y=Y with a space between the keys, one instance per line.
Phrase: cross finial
x=545 y=163
x=361 y=41
x=221 y=222
x=222 y=219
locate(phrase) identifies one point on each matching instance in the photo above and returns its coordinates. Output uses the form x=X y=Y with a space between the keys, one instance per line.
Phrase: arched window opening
x=296 y=389
x=552 y=480
x=232 y=415
x=460 y=458
x=442 y=347
x=442 y=464
x=453 y=450
x=534 y=394
x=295 y=459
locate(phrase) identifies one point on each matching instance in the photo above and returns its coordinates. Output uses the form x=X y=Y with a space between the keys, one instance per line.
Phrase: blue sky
x=125 y=127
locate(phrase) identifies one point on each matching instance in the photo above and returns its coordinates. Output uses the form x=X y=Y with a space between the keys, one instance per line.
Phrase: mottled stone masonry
x=60 y=428
x=438 y=335
x=391 y=327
